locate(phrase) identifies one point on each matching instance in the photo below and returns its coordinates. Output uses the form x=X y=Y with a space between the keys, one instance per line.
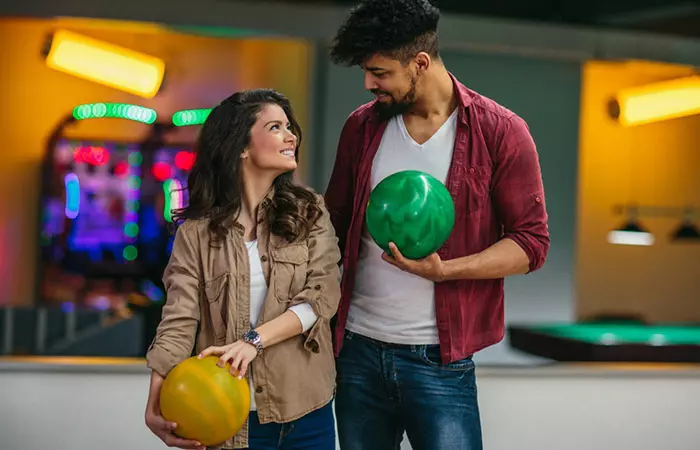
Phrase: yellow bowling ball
x=208 y=404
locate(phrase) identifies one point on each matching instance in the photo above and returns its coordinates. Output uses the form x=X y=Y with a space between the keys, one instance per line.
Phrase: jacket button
x=317 y=287
x=258 y=389
x=263 y=258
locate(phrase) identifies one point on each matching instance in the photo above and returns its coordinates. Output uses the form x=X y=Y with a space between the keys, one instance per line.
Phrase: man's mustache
x=379 y=92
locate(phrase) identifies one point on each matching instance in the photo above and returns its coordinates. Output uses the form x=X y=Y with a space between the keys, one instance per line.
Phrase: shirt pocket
x=289 y=270
x=472 y=186
x=216 y=293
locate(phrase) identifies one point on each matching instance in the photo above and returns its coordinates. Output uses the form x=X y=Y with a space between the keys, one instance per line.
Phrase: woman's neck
x=255 y=188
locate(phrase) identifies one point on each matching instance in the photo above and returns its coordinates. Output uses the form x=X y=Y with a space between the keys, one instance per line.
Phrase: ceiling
x=675 y=17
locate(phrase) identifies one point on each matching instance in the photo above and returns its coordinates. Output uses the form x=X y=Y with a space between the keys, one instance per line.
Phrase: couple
x=254 y=272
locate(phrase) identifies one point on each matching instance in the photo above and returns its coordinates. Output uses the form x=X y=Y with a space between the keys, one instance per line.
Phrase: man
x=406 y=330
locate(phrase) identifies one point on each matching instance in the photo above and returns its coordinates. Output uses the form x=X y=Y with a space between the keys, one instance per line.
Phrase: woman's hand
x=165 y=432
x=158 y=425
x=240 y=354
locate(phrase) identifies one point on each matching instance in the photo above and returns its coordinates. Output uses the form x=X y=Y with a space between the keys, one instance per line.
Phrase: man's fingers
x=396 y=252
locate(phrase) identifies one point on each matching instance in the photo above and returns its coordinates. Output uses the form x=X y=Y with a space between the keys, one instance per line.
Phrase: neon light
x=121 y=169
x=108 y=64
x=131 y=229
x=134 y=182
x=115 y=111
x=96 y=156
x=184 y=160
x=135 y=158
x=130 y=253
x=72 y=195
x=190 y=117
x=161 y=171
x=172 y=198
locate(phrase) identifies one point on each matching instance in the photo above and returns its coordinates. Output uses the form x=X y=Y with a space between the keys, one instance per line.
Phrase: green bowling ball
x=414 y=210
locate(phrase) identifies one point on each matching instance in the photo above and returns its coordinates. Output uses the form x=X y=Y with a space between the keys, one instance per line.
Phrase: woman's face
x=272 y=144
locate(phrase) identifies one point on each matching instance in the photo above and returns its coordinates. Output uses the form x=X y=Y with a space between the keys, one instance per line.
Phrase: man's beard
x=386 y=111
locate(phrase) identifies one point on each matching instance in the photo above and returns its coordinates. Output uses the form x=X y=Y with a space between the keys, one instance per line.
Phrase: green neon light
x=167 y=207
x=130 y=253
x=187 y=117
x=116 y=111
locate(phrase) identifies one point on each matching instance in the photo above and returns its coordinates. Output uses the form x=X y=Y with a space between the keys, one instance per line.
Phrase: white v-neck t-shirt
x=388 y=304
x=258 y=293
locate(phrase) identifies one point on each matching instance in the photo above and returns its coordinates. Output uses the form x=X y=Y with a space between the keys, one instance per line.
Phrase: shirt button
x=317 y=287
x=263 y=258
x=258 y=389
x=537 y=199
x=471 y=170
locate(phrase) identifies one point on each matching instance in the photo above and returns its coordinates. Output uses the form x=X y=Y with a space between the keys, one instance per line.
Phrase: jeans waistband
x=352 y=335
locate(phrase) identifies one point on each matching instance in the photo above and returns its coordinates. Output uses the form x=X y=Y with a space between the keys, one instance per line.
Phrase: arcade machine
x=106 y=212
x=168 y=156
x=90 y=256
x=171 y=158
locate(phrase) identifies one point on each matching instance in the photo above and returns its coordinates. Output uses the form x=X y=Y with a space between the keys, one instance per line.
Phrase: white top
x=258 y=293
x=388 y=304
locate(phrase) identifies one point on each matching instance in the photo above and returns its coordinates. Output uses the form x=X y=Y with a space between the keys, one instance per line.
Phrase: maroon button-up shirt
x=496 y=185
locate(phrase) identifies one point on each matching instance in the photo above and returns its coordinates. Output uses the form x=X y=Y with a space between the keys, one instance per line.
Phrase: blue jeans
x=386 y=389
x=314 y=431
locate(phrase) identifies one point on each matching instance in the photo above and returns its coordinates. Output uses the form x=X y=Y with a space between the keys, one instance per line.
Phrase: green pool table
x=626 y=342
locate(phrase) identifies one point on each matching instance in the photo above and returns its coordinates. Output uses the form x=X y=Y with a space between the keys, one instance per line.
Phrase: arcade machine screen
x=166 y=187
x=90 y=223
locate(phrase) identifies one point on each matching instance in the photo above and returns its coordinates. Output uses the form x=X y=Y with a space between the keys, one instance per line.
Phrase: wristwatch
x=252 y=337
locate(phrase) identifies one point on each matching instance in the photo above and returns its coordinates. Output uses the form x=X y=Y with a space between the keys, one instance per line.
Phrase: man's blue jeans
x=386 y=389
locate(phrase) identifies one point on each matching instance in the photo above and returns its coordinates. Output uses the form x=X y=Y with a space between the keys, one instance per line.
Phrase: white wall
x=557 y=408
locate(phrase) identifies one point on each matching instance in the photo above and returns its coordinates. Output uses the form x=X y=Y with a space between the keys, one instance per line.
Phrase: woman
x=254 y=266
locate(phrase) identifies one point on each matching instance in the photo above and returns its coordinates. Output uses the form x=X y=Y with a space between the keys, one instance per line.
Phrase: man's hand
x=431 y=267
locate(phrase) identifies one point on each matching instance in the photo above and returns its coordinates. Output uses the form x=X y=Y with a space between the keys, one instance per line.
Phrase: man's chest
x=398 y=151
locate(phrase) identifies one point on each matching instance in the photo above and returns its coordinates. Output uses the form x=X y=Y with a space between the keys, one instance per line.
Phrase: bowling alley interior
x=102 y=106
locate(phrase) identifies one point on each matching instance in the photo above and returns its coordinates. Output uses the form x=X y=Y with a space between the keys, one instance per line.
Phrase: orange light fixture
x=108 y=64
x=657 y=101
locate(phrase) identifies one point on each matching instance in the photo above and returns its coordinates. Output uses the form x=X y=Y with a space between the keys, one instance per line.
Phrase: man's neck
x=437 y=95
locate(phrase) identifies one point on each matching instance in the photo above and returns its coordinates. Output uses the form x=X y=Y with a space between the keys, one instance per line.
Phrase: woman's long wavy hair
x=215 y=184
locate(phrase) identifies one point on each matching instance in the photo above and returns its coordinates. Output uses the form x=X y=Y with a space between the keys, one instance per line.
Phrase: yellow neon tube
x=658 y=101
x=105 y=63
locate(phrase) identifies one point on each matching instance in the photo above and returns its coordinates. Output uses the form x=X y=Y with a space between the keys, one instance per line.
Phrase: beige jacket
x=208 y=287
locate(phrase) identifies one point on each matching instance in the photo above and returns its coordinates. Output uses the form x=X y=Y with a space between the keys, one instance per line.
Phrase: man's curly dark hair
x=398 y=29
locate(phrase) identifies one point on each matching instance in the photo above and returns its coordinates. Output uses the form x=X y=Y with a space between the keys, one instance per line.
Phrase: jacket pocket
x=216 y=293
x=289 y=270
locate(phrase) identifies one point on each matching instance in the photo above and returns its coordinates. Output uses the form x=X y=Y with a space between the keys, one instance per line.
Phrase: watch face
x=251 y=335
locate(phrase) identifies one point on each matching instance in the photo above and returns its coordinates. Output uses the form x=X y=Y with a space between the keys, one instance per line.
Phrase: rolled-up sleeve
x=518 y=192
x=322 y=288
x=339 y=193
x=176 y=332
